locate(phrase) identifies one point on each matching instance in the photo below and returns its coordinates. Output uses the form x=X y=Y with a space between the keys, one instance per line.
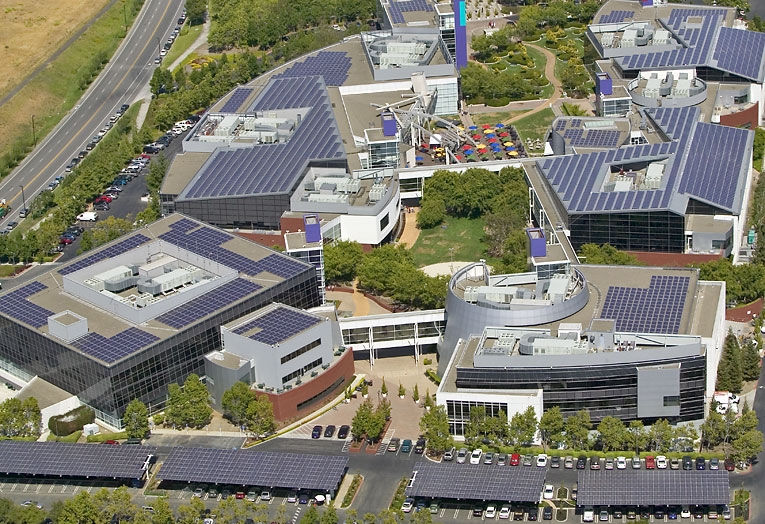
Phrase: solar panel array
x=115 y=347
x=476 y=482
x=397 y=9
x=73 y=460
x=332 y=65
x=278 y=325
x=16 y=304
x=108 y=252
x=592 y=137
x=653 y=487
x=274 y=168
x=254 y=468
x=715 y=163
x=697 y=39
x=209 y=303
x=656 y=309
x=614 y=17
x=237 y=99
x=206 y=241
x=741 y=52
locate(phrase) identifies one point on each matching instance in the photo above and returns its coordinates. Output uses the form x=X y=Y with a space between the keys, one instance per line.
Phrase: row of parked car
x=658 y=513
x=405 y=446
x=170 y=40
x=254 y=494
x=660 y=462
x=94 y=141
x=491 y=510
x=164 y=141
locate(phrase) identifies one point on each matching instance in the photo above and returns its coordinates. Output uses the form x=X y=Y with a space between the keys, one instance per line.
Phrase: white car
x=491 y=511
x=661 y=462
x=542 y=460
x=88 y=216
x=549 y=492
x=686 y=512
x=475 y=456
x=588 y=515
x=621 y=462
x=407 y=506
x=505 y=511
x=461 y=455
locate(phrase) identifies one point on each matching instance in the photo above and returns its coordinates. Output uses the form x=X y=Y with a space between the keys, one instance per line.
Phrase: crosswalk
x=383 y=448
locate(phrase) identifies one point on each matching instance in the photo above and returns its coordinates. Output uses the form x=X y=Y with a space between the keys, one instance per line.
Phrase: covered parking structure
x=59 y=460
x=238 y=467
x=644 y=488
x=476 y=482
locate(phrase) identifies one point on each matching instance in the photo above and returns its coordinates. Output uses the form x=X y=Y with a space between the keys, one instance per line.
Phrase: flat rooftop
x=202 y=271
x=274 y=324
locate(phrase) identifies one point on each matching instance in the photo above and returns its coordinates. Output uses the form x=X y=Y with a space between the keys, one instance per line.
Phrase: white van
x=88 y=216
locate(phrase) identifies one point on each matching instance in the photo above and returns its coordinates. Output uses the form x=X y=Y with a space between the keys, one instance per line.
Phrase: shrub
x=427 y=361
x=74 y=437
x=68 y=423
x=103 y=437
x=352 y=489
x=432 y=375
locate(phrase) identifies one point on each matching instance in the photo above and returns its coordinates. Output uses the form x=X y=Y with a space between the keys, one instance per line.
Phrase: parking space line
x=456 y=513
x=441 y=514
x=26 y=487
x=76 y=489
x=296 y=515
x=39 y=487
x=346 y=445
x=52 y=487
x=272 y=500
x=284 y=501
x=89 y=488
x=13 y=488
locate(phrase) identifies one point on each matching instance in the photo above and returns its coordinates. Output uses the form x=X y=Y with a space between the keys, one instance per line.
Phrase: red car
x=515 y=459
x=240 y=495
x=650 y=462
x=103 y=198
x=112 y=442
x=65 y=240
x=730 y=465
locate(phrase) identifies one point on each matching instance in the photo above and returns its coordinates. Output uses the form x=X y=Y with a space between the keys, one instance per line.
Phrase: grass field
x=493 y=118
x=185 y=39
x=536 y=125
x=457 y=239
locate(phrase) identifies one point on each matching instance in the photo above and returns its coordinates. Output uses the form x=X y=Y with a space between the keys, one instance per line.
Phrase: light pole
x=124 y=14
x=23 y=200
x=34 y=134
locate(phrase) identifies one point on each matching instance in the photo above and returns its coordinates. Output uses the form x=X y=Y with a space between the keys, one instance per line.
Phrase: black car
x=547 y=513
x=82 y=154
x=618 y=513
x=102 y=206
x=533 y=513
x=581 y=462
x=698 y=512
x=419 y=447
x=659 y=514
x=478 y=510
x=343 y=432
x=316 y=433
x=687 y=462
x=730 y=465
x=645 y=514
x=150 y=150
x=701 y=463
x=123 y=108
x=74 y=230
x=555 y=461
x=330 y=431
x=90 y=146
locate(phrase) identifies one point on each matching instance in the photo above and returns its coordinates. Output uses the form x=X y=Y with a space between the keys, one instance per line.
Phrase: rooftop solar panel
x=15 y=304
x=332 y=65
x=116 y=347
x=653 y=487
x=481 y=482
x=254 y=468
x=57 y=459
x=209 y=303
x=396 y=9
x=277 y=325
x=741 y=52
x=108 y=252
x=656 y=309
x=236 y=99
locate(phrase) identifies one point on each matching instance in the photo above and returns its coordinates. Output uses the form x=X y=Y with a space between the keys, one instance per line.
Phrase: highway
x=120 y=82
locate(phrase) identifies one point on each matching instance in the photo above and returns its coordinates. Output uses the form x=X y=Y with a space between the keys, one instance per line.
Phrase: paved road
x=120 y=82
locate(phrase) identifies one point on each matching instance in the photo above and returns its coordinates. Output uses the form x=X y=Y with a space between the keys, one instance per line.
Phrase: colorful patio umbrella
x=490 y=135
x=477 y=137
x=473 y=127
x=510 y=148
x=500 y=125
x=486 y=126
x=488 y=131
x=493 y=140
x=509 y=143
x=419 y=158
x=467 y=146
x=481 y=146
x=458 y=156
x=503 y=134
x=513 y=153
x=469 y=152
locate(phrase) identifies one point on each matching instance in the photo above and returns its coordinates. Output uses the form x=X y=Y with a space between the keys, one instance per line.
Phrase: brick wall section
x=285 y=404
x=747 y=116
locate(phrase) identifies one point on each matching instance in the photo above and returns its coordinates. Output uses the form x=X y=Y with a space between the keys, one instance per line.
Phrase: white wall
x=365 y=229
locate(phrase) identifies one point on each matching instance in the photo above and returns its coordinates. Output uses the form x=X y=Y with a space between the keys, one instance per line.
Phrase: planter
x=384 y=395
x=365 y=396
x=417 y=401
x=401 y=397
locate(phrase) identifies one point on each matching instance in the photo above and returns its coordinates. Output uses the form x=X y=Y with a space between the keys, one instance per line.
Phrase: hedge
x=68 y=423
x=103 y=437
x=74 y=437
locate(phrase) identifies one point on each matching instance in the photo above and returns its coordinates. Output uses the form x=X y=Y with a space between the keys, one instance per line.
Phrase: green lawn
x=536 y=125
x=493 y=118
x=185 y=39
x=461 y=235
x=540 y=61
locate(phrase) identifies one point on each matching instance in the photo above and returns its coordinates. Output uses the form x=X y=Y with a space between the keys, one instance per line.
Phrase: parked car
x=393 y=445
x=406 y=446
x=343 y=431
x=547 y=513
x=549 y=492
x=588 y=515
x=542 y=461
x=488 y=458
x=316 y=433
x=533 y=513
x=714 y=463
x=650 y=462
x=491 y=511
x=608 y=464
x=462 y=455
x=408 y=505
x=502 y=459
x=434 y=507
x=419 y=446
x=568 y=463
x=475 y=456
x=478 y=510
x=701 y=463
x=23 y=213
x=595 y=462
x=603 y=515
x=687 y=462
x=661 y=462
x=635 y=462
x=555 y=461
x=330 y=431
x=730 y=464
x=621 y=462
x=581 y=462
x=505 y=511
x=515 y=459
x=674 y=463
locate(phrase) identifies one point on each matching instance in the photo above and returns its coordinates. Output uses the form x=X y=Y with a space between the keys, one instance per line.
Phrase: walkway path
x=550 y=74
x=411 y=231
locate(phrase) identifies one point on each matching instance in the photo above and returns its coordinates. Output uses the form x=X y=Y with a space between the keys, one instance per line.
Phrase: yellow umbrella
x=513 y=153
x=481 y=146
x=508 y=144
x=487 y=131
x=461 y=128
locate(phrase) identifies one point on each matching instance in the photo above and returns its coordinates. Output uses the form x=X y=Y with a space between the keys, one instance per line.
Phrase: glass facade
x=383 y=154
x=615 y=107
x=661 y=231
x=458 y=412
x=608 y=390
x=146 y=374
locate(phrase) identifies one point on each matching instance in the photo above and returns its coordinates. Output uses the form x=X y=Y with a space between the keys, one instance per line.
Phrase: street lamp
x=34 y=135
x=23 y=199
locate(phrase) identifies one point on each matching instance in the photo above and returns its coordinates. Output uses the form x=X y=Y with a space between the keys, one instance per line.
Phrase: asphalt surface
x=119 y=83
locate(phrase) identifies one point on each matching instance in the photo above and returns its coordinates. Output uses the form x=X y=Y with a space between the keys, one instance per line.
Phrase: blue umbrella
x=490 y=135
x=473 y=127
x=510 y=148
x=419 y=158
x=500 y=125
x=468 y=151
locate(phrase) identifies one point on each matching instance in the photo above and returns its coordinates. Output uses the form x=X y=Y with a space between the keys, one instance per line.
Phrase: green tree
x=311 y=516
x=577 y=430
x=747 y=446
x=638 y=436
x=20 y=418
x=523 y=427
x=259 y=416
x=729 y=371
x=661 y=435
x=750 y=361
x=432 y=212
x=551 y=427
x=329 y=516
x=415 y=393
x=434 y=425
x=606 y=254
x=79 y=509
x=136 y=419
x=105 y=231
x=195 y=11
x=163 y=514
x=188 y=405
x=341 y=260
x=236 y=400
x=362 y=419
x=189 y=513
x=613 y=435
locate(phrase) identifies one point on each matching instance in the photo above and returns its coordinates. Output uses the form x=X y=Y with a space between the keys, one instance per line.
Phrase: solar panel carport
x=58 y=459
x=476 y=482
x=653 y=487
x=254 y=468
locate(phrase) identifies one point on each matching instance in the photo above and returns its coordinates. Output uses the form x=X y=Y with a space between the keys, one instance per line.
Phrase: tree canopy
x=606 y=254
x=188 y=405
x=20 y=418
x=136 y=419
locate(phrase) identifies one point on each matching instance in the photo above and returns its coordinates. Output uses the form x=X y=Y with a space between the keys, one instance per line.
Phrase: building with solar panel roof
x=655 y=54
x=128 y=318
x=296 y=358
x=632 y=343
x=316 y=137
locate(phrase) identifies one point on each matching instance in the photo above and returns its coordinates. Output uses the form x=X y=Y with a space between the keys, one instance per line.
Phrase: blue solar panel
x=332 y=65
x=656 y=309
x=116 y=347
x=274 y=168
x=106 y=253
x=277 y=325
x=236 y=100
x=614 y=17
x=396 y=9
x=209 y=303
x=741 y=52
x=16 y=305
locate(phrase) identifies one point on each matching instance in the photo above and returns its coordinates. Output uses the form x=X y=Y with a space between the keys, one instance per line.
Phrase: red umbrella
x=493 y=140
x=504 y=134
x=486 y=126
x=458 y=157
x=467 y=146
x=477 y=137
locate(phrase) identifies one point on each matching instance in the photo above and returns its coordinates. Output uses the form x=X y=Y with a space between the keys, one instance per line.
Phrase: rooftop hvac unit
x=377 y=192
x=471 y=294
x=94 y=283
